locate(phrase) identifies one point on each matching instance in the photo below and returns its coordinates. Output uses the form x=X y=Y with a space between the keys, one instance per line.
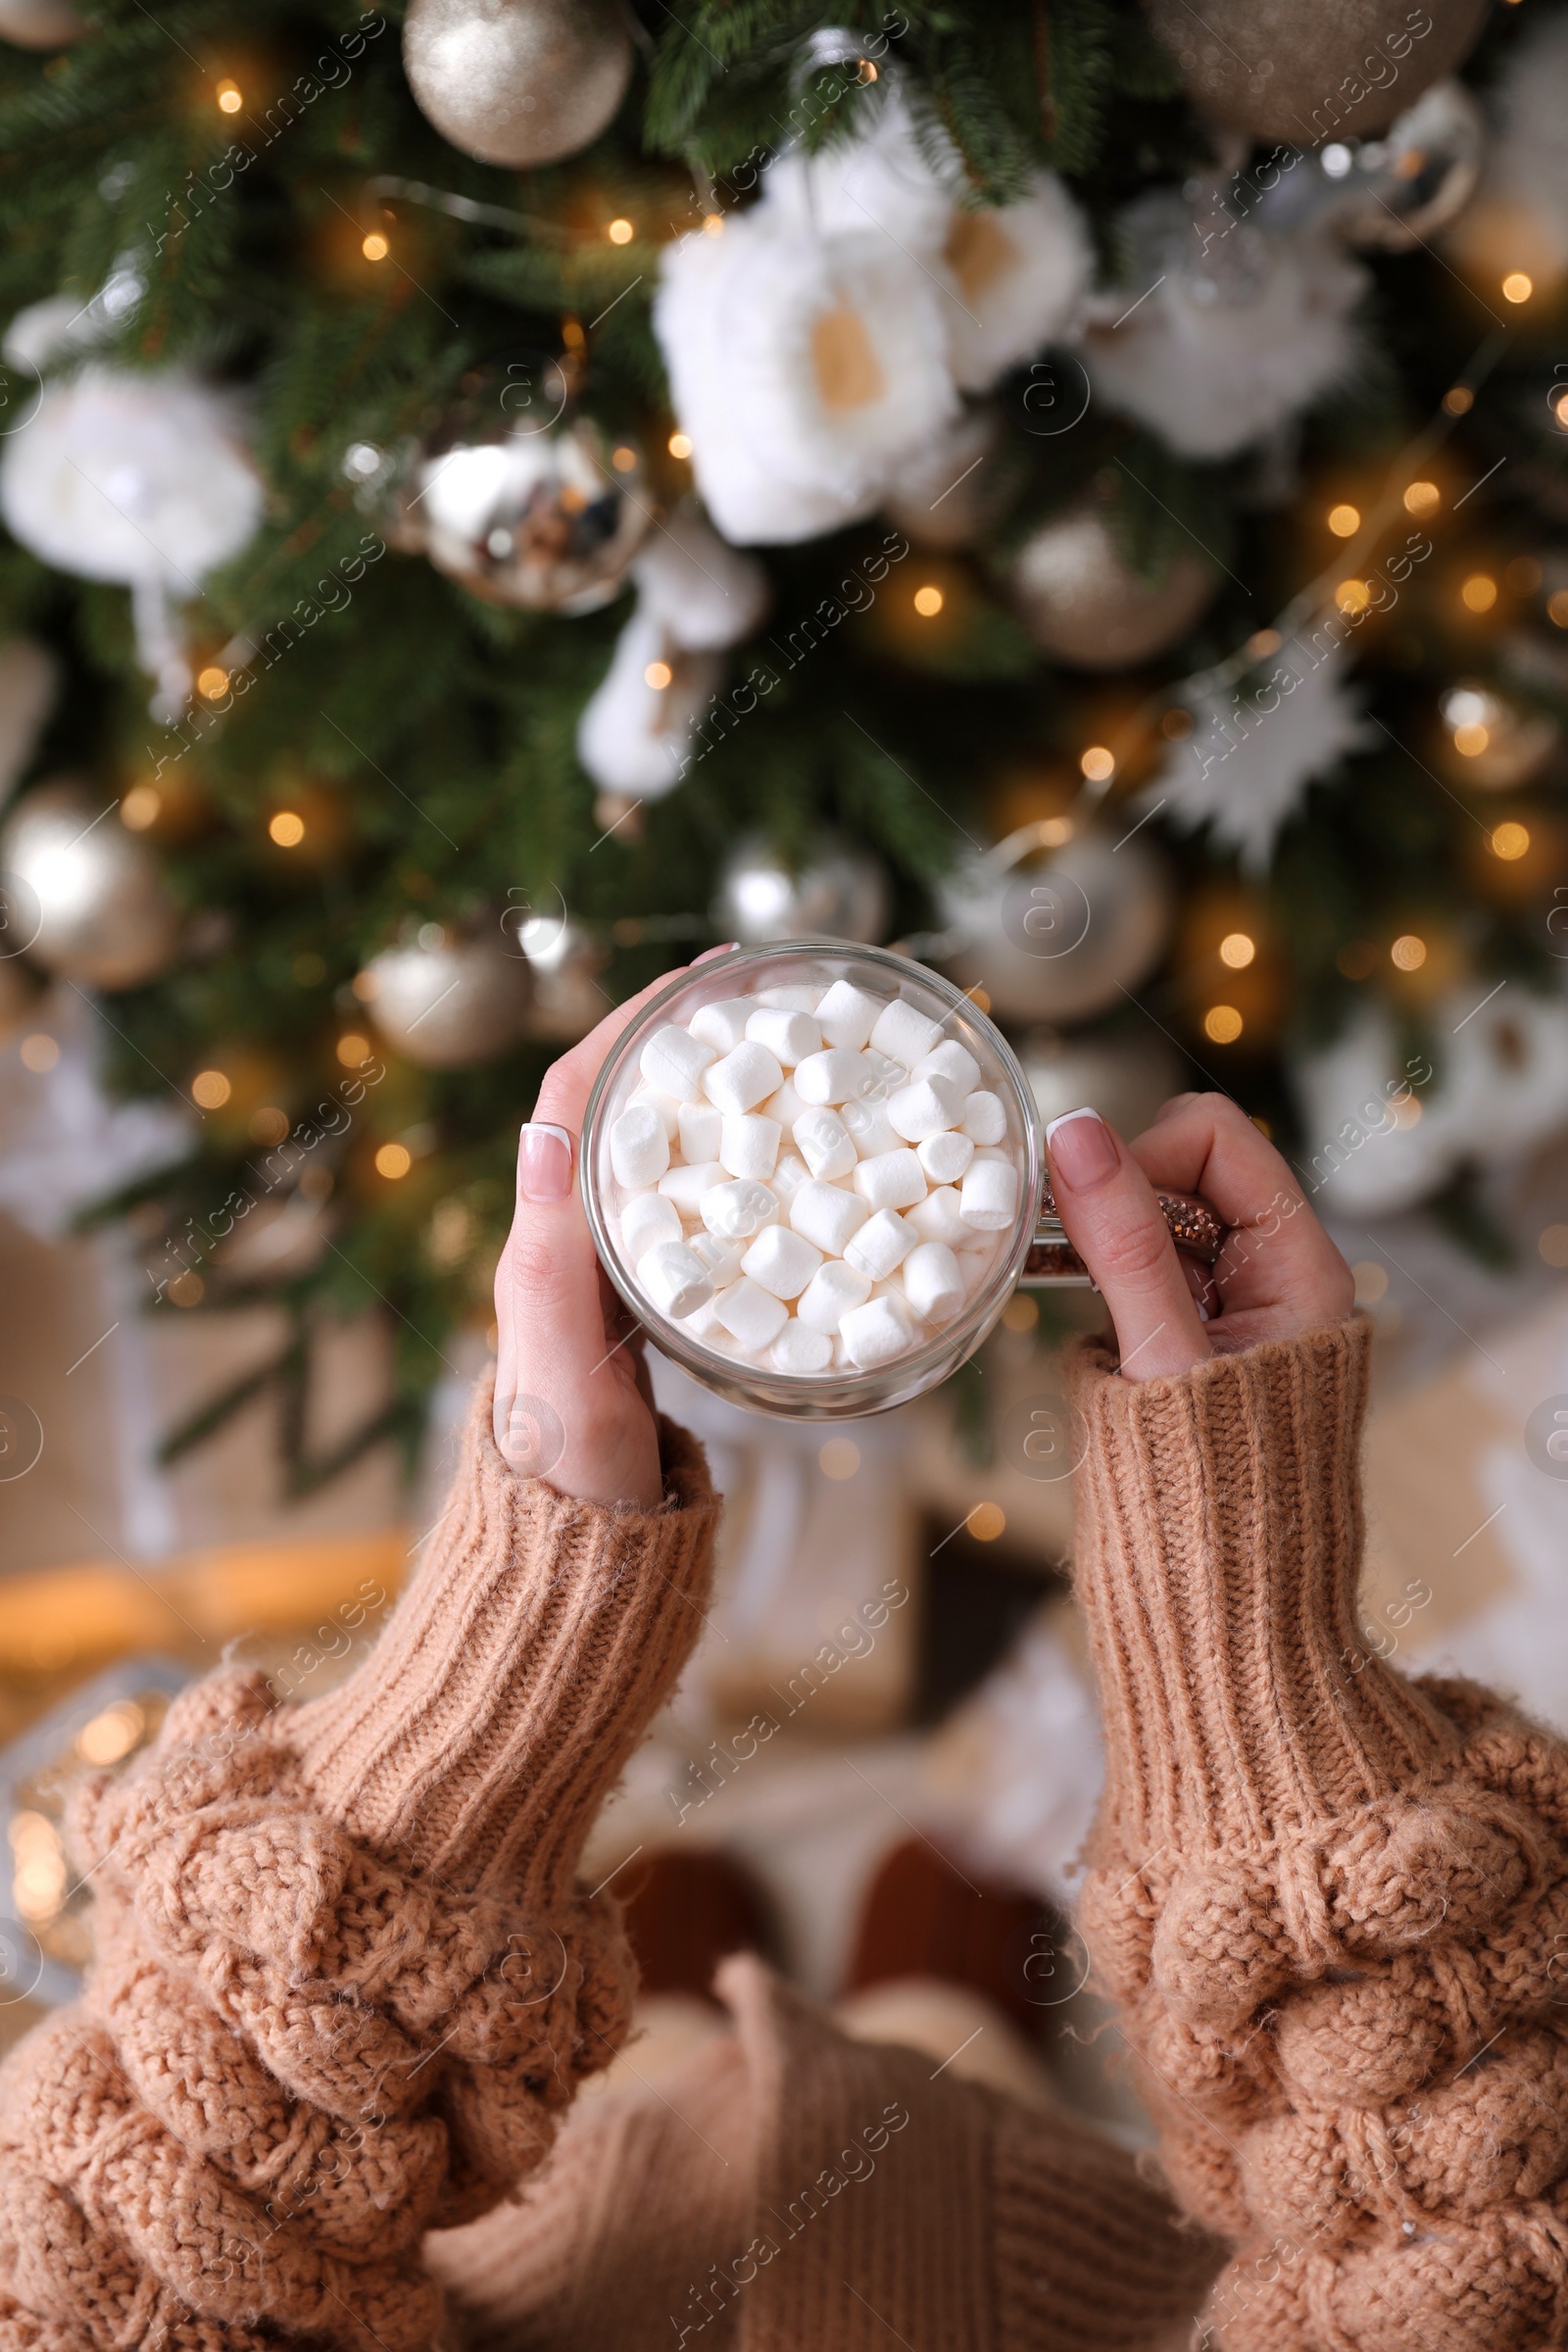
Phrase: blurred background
x=496 y=499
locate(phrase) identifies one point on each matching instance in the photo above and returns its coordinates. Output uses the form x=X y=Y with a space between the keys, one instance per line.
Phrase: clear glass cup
x=839 y=1392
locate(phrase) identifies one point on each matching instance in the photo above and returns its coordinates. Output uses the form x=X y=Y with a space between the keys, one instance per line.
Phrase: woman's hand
x=1278 y=1274
x=573 y=1403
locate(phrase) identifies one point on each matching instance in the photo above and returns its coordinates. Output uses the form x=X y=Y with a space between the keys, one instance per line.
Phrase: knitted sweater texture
x=347 y=1983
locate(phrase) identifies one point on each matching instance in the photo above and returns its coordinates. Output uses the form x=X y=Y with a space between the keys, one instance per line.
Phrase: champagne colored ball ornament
x=836 y=891
x=1083 y=603
x=446 y=1000
x=546 y=515
x=1340 y=69
x=82 y=896
x=563 y=961
x=1062 y=937
x=518 y=83
x=40 y=23
x=1125 y=1074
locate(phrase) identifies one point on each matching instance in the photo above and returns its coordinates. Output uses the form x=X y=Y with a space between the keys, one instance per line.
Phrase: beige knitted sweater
x=348 y=1985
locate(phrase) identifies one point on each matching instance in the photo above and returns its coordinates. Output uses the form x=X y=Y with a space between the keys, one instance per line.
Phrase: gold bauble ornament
x=1336 y=69
x=40 y=23
x=1083 y=604
x=81 y=896
x=1125 y=1074
x=1490 y=743
x=833 y=891
x=1056 y=929
x=563 y=962
x=518 y=83
x=446 y=999
x=546 y=515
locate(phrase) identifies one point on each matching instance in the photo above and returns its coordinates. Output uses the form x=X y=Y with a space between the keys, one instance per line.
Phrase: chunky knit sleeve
x=1332 y=1904
x=345 y=1981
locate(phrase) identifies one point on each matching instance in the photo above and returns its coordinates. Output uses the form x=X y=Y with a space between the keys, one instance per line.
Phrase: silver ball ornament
x=81 y=896
x=563 y=962
x=1084 y=605
x=835 y=892
x=446 y=1000
x=1060 y=938
x=518 y=83
x=524 y=507
x=1125 y=1074
x=40 y=23
x=1340 y=69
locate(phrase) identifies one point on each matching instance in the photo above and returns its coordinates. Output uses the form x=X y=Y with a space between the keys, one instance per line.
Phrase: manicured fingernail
x=1080 y=1148
x=728 y=949
x=544 y=1163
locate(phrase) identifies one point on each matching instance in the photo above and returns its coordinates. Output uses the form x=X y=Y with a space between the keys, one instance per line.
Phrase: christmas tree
x=506 y=494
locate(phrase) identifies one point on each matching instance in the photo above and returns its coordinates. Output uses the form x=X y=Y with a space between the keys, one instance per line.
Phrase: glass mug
x=1031 y=1251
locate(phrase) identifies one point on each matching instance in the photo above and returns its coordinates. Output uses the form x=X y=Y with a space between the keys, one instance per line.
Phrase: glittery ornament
x=81 y=896
x=1080 y=599
x=518 y=83
x=40 y=23
x=1338 y=70
x=835 y=891
x=1060 y=937
x=446 y=1000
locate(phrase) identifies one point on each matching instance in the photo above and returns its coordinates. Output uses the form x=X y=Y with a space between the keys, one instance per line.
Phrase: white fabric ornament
x=895 y=177
x=143 y=480
x=1017 y=276
x=1218 y=338
x=29 y=684
x=701 y=592
x=635 y=733
x=1251 y=757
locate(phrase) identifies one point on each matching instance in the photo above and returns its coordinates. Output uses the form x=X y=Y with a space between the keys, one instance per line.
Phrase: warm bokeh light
x=1237 y=949
x=1344 y=521
x=713 y=225
x=1559 y=408
x=1371 y=1281
x=287 y=829
x=1554 y=1245
x=186 y=1289
x=39 y=1052
x=230 y=97
x=113 y=1734
x=1262 y=643
x=1557 y=608
x=928 y=602
x=1480 y=592
x=209 y=1090
x=353 y=1049
x=1352 y=596
x=1523 y=576
x=1472 y=738
x=1510 y=841
x=140 y=808
x=1409 y=952
x=269 y=1125
x=657 y=674
x=1054 y=831
x=213 y=684
x=374 y=247
x=1421 y=497
x=1517 y=286
x=1223 y=1023
x=394 y=1160
x=1021 y=1313
x=986 y=1522
x=1097 y=764
x=839 y=1458
x=620 y=231
x=1177 y=723
x=680 y=445
x=624 y=458
x=1458 y=400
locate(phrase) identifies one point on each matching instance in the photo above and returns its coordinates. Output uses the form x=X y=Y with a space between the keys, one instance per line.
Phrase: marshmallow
x=990 y=1196
x=648 y=1097
x=889 y=1180
x=721 y=1258
x=736 y=1211
x=876 y=1332
x=826 y=1215
x=688 y=1187
x=798 y=996
x=743 y=1079
x=674 y=1061
x=781 y=1261
x=870 y=1127
x=786 y=1106
x=639 y=1148
x=952 y=1061
x=723 y=1025
x=790 y=1174
x=843 y=1360
x=789 y=1036
x=933 y=1282
x=847 y=1015
x=750 y=1145
x=883 y=1076
x=798 y=1349
x=832 y=1076
x=830 y=1294
x=944 y=1158
x=924 y=1107
x=700 y=1321
x=700 y=1127
x=985 y=1119
x=646 y=1218
x=936 y=1218
x=904 y=1034
x=826 y=1144
x=675 y=1278
x=750 y=1314
x=882 y=1245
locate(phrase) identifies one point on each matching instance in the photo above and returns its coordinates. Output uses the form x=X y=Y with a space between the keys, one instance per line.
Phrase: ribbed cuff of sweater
x=1218 y=1557
x=535 y=1645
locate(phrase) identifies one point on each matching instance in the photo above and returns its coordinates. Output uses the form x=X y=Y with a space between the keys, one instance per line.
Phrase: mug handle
x=1194 y=1227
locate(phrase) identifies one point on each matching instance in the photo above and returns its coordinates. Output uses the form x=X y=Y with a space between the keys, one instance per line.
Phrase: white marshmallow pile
x=812 y=1179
